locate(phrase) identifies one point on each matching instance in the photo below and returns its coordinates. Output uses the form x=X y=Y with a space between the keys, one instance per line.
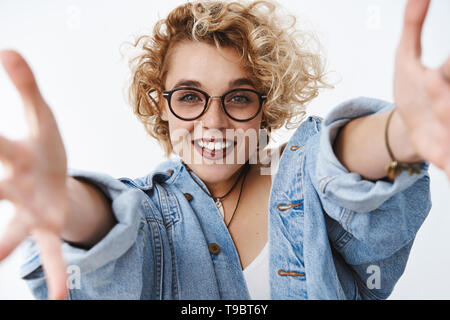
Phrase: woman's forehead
x=205 y=64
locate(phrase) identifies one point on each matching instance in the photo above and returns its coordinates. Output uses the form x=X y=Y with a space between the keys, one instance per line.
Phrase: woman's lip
x=217 y=154
x=207 y=140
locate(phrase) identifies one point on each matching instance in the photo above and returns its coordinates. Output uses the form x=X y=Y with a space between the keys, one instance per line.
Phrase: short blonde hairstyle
x=274 y=53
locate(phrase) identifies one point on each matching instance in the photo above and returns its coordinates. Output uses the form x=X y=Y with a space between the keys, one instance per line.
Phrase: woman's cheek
x=180 y=138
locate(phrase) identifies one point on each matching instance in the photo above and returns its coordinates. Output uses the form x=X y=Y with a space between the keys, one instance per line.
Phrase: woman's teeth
x=214 y=145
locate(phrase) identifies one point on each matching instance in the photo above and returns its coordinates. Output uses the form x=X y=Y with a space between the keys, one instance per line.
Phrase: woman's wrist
x=90 y=214
x=400 y=142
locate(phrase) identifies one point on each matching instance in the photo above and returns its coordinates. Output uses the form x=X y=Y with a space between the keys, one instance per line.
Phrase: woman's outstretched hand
x=421 y=94
x=35 y=181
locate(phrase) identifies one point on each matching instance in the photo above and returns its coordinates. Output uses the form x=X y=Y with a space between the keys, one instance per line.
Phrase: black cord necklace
x=217 y=199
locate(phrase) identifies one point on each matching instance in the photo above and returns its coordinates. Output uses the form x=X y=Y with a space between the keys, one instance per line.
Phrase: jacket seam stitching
x=302 y=163
x=343 y=240
x=165 y=207
x=174 y=266
x=158 y=254
x=349 y=218
x=153 y=211
x=174 y=200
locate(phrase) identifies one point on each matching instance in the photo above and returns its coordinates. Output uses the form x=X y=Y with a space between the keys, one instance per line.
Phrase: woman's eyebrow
x=188 y=83
x=196 y=84
x=240 y=82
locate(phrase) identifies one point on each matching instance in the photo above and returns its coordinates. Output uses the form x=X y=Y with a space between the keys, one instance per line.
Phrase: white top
x=257 y=276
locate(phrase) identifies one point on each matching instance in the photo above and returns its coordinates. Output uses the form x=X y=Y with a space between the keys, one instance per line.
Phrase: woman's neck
x=221 y=188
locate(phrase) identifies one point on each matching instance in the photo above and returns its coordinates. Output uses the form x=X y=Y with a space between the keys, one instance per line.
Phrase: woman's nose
x=214 y=116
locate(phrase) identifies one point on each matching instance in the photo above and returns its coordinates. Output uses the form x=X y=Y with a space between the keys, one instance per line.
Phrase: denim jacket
x=332 y=234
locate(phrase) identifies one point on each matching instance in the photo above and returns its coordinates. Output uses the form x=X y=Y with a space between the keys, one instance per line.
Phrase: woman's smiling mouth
x=213 y=149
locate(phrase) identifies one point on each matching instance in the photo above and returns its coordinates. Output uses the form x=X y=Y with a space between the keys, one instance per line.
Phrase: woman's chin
x=214 y=173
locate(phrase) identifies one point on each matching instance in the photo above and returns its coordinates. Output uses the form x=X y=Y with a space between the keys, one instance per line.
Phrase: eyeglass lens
x=241 y=104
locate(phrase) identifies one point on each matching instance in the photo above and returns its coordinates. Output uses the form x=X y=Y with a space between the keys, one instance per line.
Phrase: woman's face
x=202 y=66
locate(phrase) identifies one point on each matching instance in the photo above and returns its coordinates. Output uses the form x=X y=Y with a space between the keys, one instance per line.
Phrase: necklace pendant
x=220 y=207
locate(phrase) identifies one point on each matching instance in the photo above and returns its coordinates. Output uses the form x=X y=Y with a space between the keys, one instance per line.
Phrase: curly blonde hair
x=275 y=54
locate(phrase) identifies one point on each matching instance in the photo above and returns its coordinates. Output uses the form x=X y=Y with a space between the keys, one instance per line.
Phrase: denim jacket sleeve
x=372 y=224
x=101 y=270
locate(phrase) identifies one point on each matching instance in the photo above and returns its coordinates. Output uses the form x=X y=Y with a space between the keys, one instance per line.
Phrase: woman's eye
x=190 y=97
x=239 y=99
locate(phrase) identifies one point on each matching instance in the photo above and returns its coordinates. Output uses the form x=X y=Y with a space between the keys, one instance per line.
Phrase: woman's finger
x=52 y=260
x=414 y=17
x=13 y=235
x=438 y=90
x=23 y=79
x=6 y=149
x=445 y=71
x=5 y=191
x=21 y=76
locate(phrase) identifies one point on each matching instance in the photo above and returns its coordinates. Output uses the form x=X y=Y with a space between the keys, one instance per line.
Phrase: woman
x=198 y=226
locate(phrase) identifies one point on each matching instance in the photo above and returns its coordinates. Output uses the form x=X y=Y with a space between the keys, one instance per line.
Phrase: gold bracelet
x=395 y=167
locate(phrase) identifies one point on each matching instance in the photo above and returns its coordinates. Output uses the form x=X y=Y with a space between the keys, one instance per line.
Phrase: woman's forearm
x=360 y=145
x=91 y=216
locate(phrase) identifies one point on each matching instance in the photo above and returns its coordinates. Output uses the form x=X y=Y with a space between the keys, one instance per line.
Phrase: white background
x=73 y=48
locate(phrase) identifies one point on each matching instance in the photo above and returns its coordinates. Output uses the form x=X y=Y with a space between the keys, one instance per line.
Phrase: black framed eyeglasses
x=191 y=103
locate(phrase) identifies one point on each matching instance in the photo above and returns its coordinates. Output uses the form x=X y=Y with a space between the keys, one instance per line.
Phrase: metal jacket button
x=188 y=196
x=214 y=248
